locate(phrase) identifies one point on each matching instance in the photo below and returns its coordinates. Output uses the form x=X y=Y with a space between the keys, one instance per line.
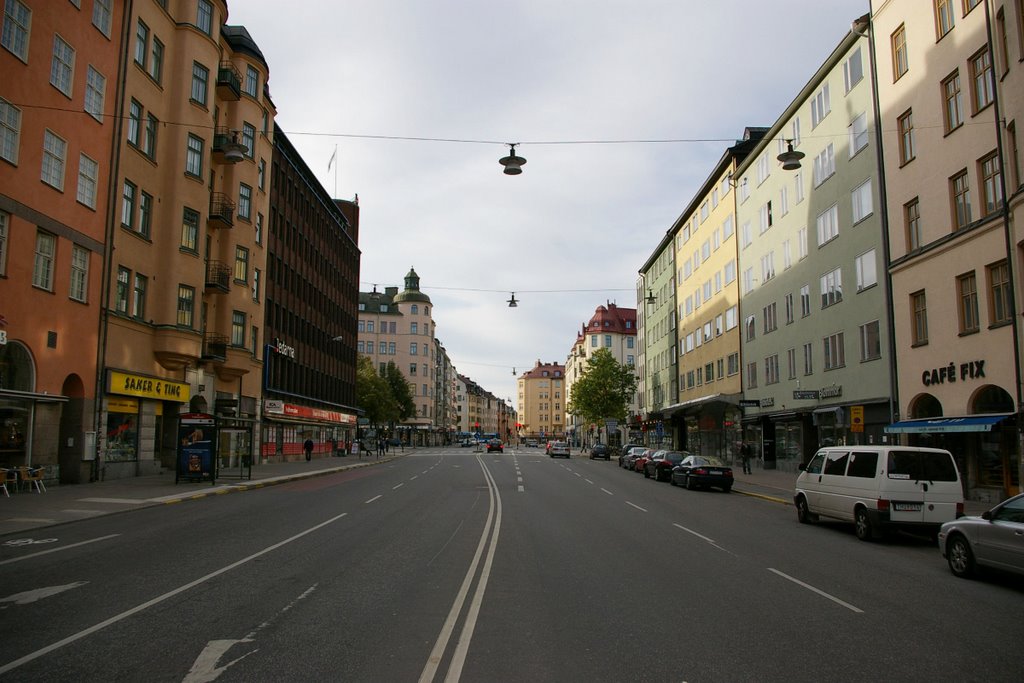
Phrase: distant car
x=600 y=450
x=532 y=443
x=558 y=449
x=629 y=455
x=641 y=461
x=466 y=443
x=702 y=471
x=495 y=445
x=996 y=539
x=660 y=469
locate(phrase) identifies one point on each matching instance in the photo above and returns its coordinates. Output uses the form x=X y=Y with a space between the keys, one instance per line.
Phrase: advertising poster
x=197 y=441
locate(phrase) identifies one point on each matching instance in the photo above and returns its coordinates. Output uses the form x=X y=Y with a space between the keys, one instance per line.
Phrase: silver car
x=559 y=449
x=996 y=539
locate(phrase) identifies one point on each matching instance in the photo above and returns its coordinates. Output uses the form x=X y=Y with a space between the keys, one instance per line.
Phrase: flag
x=331 y=162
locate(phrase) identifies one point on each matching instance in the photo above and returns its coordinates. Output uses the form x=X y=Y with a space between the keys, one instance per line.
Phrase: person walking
x=745 y=457
x=308 y=448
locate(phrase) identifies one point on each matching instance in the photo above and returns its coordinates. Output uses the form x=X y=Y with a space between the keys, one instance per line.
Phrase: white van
x=877 y=487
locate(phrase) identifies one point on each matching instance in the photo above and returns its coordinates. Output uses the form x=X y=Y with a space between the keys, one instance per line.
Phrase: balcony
x=218 y=276
x=229 y=82
x=222 y=211
x=215 y=347
x=226 y=147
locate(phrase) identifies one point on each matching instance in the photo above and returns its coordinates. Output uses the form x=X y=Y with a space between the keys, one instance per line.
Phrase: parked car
x=661 y=468
x=531 y=443
x=628 y=455
x=703 y=471
x=996 y=539
x=600 y=450
x=466 y=443
x=641 y=461
x=878 y=487
x=558 y=449
x=495 y=445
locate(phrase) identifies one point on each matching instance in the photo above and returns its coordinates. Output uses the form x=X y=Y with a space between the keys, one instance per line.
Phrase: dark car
x=628 y=455
x=660 y=468
x=702 y=471
x=600 y=450
x=495 y=445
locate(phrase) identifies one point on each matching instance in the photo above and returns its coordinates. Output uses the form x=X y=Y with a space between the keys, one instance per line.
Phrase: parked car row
x=680 y=468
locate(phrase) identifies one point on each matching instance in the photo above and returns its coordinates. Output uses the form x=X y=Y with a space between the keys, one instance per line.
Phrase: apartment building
x=658 y=386
x=541 y=401
x=813 y=296
x=615 y=329
x=309 y=339
x=950 y=93
x=58 y=98
x=706 y=414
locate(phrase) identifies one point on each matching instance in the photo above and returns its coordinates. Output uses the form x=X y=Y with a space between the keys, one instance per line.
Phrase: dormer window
x=383 y=308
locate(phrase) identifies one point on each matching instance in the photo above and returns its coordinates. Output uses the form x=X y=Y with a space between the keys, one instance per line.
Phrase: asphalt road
x=492 y=567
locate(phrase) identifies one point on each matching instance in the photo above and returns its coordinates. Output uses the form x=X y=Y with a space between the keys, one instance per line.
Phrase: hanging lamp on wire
x=513 y=164
x=790 y=158
x=512 y=303
x=651 y=299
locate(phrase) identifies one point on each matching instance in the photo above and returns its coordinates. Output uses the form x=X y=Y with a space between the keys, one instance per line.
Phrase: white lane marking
x=588 y=481
x=691 y=531
x=372 y=499
x=577 y=474
x=519 y=479
x=817 y=590
x=415 y=476
x=57 y=550
x=608 y=492
x=118 y=501
x=636 y=506
x=398 y=486
x=10 y=666
x=522 y=490
x=27 y=597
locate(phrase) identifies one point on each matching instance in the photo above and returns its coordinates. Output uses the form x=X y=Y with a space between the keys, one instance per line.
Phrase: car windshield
x=922 y=465
x=712 y=461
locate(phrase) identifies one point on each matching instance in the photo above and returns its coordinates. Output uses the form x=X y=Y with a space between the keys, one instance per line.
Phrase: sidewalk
x=27 y=510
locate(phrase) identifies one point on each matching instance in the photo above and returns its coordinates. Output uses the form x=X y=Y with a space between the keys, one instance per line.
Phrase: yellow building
x=541 y=403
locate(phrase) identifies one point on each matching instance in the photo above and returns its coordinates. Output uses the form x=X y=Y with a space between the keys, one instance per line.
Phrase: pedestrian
x=308 y=447
x=745 y=456
x=380 y=447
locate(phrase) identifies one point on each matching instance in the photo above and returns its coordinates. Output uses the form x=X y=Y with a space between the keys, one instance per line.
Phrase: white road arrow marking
x=28 y=597
x=205 y=668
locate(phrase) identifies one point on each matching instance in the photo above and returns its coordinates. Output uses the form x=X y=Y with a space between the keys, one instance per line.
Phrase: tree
x=400 y=391
x=603 y=390
x=373 y=393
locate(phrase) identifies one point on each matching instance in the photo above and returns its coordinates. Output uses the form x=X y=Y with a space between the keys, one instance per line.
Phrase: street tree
x=373 y=393
x=603 y=390
x=400 y=391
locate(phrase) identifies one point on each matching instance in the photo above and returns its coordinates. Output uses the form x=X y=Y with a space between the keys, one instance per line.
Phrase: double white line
x=491 y=528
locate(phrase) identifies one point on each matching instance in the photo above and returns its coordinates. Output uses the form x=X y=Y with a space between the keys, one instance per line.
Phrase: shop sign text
x=974 y=369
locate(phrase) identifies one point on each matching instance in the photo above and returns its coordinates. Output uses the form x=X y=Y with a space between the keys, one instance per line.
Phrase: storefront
x=287 y=426
x=140 y=415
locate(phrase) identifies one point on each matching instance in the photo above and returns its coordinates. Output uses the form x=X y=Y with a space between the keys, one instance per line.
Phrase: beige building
x=948 y=102
x=182 y=329
x=541 y=402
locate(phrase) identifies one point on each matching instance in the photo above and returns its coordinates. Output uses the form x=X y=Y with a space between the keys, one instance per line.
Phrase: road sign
x=856 y=418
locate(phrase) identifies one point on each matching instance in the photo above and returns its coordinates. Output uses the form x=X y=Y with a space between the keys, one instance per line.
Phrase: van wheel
x=960 y=557
x=803 y=515
x=862 y=525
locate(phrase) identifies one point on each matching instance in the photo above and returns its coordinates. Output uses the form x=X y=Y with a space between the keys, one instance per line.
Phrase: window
x=124 y=277
x=256 y=283
x=54 y=151
x=999 y=293
x=134 y=123
x=767 y=267
x=156 y=60
x=5 y=219
x=870 y=341
x=771 y=369
x=831 y=288
x=261 y=175
x=953 y=112
x=991 y=184
x=820 y=106
x=750 y=325
x=139 y=296
x=17 y=22
x=981 y=79
x=252 y=81
x=730 y=271
x=732 y=363
x=943 y=17
x=787 y=254
x=824 y=165
x=731 y=318
x=141 y=43
x=414 y=328
x=200 y=82
x=858 y=134
x=241 y=264
x=249 y=139
x=867 y=273
x=149 y=136
x=752 y=375
x=961 y=193
x=762 y=169
x=244 y=202
x=828 y=225
x=10 y=131
x=805 y=301
x=967 y=291
x=128 y=198
x=204 y=17
x=258 y=228
x=790 y=309
x=770 y=319
x=237 y=328
x=912 y=223
x=835 y=354
x=145 y=213
x=189 y=230
x=608 y=341
x=765 y=215
x=853 y=70
x=906 y=131
x=900 y=64
x=62 y=66
x=88 y=176
x=79 y=285
x=748 y=280
x=808 y=359
x=801 y=243
x=101 y=16
x=919 y=311
x=745 y=235
x=95 y=89
x=186 y=304
x=194 y=157
x=861 y=198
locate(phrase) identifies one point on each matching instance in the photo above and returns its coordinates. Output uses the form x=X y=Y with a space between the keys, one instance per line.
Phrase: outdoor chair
x=33 y=477
x=9 y=477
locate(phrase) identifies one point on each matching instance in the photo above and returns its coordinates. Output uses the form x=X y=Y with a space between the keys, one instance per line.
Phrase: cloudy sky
x=589 y=88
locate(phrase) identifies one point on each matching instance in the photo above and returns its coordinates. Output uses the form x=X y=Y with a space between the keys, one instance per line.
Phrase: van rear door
x=921 y=486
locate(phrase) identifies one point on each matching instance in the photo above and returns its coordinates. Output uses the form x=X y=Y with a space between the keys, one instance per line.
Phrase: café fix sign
x=947 y=374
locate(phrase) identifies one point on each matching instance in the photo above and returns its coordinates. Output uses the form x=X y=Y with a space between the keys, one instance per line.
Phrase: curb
x=762 y=496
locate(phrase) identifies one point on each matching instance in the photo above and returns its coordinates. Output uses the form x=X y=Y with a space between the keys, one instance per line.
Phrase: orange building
x=57 y=94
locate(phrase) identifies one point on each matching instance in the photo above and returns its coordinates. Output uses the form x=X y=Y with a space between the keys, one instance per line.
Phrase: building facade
x=658 y=385
x=541 y=402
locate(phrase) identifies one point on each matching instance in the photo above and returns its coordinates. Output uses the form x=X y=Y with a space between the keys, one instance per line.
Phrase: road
x=454 y=565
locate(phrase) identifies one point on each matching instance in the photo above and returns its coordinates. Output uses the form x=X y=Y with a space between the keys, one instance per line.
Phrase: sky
x=620 y=107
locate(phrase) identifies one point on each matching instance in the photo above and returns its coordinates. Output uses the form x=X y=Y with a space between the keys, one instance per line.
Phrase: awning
x=972 y=423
